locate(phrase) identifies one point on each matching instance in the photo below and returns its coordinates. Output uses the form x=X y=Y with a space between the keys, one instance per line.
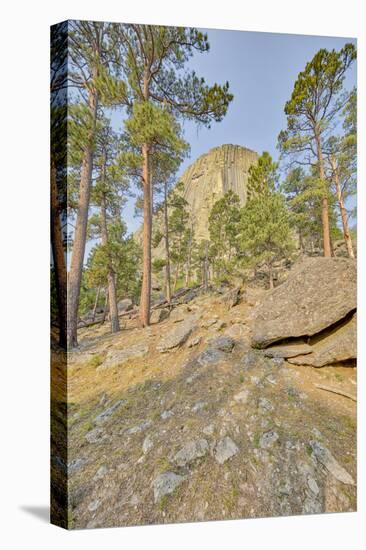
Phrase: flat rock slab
x=211 y=356
x=165 y=484
x=340 y=345
x=117 y=357
x=318 y=293
x=289 y=350
x=325 y=457
x=107 y=413
x=178 y=335
x=191 y=452
x=225 y=449
x=223 y=343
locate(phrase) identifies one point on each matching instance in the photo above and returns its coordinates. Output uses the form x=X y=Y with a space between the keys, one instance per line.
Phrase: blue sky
x=261 y=69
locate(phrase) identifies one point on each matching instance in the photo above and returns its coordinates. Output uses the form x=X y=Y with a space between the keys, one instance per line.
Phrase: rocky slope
x=186 y=421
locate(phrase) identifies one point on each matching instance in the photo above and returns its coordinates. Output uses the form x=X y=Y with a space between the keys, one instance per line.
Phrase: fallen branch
x=337 y=391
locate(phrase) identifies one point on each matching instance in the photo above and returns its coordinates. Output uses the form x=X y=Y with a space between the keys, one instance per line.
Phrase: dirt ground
x=271 y=411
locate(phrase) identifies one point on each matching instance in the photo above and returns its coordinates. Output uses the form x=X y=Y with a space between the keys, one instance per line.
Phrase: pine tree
x=342 y=179
x=179 y=231
x=167 y=149
x=342 y=160
x=90 y=56
x=223 y=228
x=108 y=194
x=58 y=173
x=265 y=233
x=315 y=104
x=154 y=60
x=263 y=176
x=303 y=198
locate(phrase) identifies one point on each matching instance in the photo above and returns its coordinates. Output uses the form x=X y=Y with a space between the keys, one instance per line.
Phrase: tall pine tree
x=312 y=110
x=154 y=62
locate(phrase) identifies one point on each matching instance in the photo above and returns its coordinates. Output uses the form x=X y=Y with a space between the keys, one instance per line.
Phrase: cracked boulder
x=339 y=345
x=319 y=293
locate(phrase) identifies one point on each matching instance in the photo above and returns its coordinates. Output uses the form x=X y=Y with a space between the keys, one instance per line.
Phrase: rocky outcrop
x=205 y=181
x=339 y=345
x=325 y=457
x=319 y=293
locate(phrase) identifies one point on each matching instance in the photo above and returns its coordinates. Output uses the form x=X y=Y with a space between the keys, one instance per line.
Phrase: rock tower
x=207 y=180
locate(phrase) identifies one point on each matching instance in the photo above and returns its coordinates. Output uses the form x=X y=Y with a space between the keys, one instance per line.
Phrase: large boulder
x=339 y=345
x=319 y=293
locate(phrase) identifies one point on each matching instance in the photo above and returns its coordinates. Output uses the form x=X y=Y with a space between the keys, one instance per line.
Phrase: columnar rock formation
x=205 y=181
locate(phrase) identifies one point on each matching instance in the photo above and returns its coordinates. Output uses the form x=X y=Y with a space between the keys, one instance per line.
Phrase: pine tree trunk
x=113 y=308
x=59 y=261
x=96 y=304
x=168 y=290
x=78 y=249
x=145 y=300
x=146 y=244
x=106 y=301
x=325 y=205
x=346 y=232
